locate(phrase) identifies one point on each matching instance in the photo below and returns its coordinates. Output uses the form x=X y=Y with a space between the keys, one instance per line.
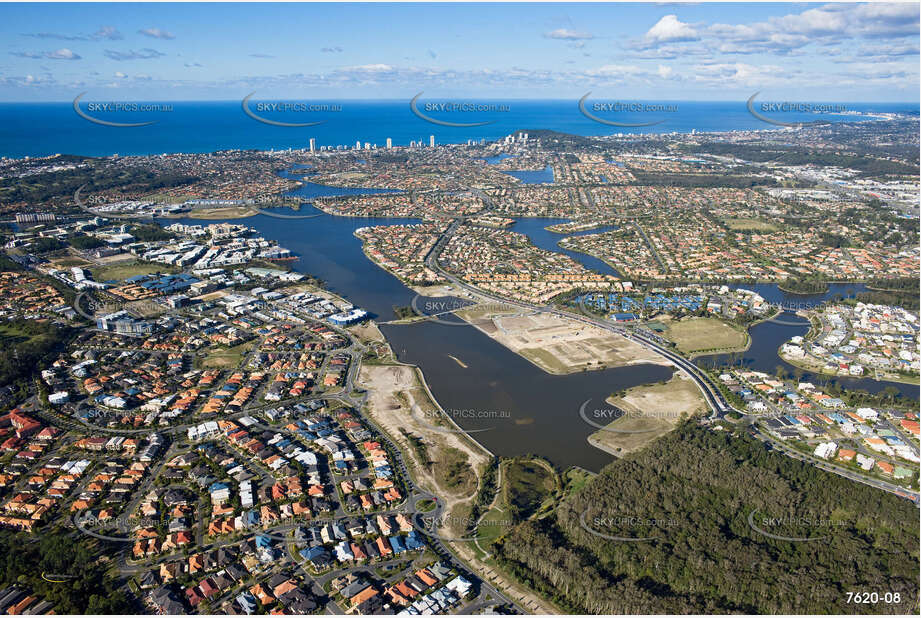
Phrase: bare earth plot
x=699 y=334
x=650 y=411
x=391 y=388
x=233 y=212
x=559 y=345
x=393 y=391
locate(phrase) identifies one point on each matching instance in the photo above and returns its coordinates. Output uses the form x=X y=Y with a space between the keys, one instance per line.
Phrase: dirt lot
x=651 y=411
x=367 y=331
x=437 y=291
x=394 y=391
x=560 y=345
x=229 y=212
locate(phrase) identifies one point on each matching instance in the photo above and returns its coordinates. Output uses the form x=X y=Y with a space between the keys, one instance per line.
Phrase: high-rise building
x=431 y=141
x=313 y=144
x=389 y=143
x=358 y=145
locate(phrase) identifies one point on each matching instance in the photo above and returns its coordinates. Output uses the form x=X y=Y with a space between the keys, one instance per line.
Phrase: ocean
x=40 y=129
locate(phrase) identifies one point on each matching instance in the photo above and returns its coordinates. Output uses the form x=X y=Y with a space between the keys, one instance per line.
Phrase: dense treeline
x=150 y=232
x=804 y=286
x=26 y=344
x=84 y=242
x=647 y=179
x=911 y=284
x=485 y=494
x=900 y=292
x=803 y=156
x=694 y=492
x=908 y=300
x=82 y=585
x=45 y=244
x=61 y=185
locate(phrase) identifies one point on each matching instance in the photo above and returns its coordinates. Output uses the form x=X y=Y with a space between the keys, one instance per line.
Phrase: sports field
x=698 y=334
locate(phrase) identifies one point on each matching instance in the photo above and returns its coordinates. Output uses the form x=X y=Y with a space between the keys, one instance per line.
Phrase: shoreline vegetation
x=704 y=485
x=803 y=287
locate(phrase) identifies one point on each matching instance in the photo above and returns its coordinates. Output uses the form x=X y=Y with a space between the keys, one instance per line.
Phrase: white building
x=867 y=414
x=825 y=450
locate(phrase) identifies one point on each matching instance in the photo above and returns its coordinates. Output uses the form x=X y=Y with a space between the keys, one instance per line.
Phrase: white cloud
x=370 y=68
x=735 y=74
x=105 y=32
x=141 y=54
x=614 y=70
x=837 y=23
x=671 y=29
x=58 y=54
x=156 y=33
x=568 y=35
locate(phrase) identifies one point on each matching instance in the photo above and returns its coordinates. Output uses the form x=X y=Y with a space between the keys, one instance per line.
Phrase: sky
x=657 y=51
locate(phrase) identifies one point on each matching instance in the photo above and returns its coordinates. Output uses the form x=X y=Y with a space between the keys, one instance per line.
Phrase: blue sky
x=665 y=51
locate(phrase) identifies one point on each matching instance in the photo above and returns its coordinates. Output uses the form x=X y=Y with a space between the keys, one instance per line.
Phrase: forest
x=83 y=585
x=27 y=345
x=672 y=529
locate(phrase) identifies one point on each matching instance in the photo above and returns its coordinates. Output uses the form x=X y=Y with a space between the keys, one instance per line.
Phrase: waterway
x=534 y=177
x=522 y=408
x=767 y=337
x=535 y=230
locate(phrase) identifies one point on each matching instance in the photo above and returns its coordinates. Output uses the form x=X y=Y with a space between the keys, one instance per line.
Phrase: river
x=520 y=408
x=767 y=337
x=524 y=409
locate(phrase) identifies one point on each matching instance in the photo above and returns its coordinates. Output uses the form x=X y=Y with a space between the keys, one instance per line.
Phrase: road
x=715 y=400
